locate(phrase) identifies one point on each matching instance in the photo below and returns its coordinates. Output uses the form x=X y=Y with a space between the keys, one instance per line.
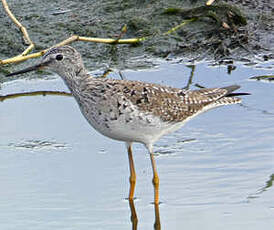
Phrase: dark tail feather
x=237 y=94
x=232 y=88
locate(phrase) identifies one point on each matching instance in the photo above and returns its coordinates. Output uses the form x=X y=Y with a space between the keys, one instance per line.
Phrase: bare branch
x=25 y=56
x=35 y=93
x=21 y=27
x=209 y=2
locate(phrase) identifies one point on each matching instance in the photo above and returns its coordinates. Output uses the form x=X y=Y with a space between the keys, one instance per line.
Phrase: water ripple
x=38 y=145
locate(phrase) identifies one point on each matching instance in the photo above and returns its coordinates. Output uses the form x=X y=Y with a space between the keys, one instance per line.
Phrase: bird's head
x=65 y=61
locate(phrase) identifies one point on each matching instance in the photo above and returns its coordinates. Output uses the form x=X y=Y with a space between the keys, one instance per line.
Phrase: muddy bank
x=241 y=31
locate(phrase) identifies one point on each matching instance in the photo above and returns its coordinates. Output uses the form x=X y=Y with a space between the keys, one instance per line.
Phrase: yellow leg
x=155 y=180
x=132 y=178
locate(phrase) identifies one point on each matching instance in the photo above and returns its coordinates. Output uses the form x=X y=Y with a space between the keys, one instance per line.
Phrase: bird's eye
x=59 y=57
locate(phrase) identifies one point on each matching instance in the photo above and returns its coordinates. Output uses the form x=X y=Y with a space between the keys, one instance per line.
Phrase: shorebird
x=131 y=111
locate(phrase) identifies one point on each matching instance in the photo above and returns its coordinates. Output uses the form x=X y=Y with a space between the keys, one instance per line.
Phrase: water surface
x=56 y=172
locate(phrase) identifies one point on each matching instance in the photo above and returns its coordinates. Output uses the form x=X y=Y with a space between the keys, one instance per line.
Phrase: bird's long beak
x=31 y=68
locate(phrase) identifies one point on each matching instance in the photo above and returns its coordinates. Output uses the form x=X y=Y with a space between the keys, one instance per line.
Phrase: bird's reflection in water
x=134 y=217
x=157 y=224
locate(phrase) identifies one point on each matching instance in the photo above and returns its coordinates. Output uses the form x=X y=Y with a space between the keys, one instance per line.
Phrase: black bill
x=31 y=68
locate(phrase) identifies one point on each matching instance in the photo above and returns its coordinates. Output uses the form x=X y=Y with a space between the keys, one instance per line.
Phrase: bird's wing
x=170 y=104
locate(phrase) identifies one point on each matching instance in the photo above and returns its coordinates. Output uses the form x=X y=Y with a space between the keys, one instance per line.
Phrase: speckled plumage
x=145 y=110
x=131 y=111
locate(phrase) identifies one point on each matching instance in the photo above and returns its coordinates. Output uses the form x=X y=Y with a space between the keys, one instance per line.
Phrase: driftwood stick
x=26 y=37
x=34 y=93
x=25 y=55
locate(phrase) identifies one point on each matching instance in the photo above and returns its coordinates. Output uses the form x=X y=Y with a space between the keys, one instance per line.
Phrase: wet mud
x=224 y=32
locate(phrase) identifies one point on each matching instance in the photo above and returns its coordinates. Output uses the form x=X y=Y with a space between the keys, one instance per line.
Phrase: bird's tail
x=231 y=89
x=230 y=97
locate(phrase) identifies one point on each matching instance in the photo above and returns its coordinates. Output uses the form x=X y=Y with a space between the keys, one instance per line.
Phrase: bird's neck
x=74 y=81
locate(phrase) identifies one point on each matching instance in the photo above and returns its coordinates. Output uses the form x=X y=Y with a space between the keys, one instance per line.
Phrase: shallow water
x=216 y=172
